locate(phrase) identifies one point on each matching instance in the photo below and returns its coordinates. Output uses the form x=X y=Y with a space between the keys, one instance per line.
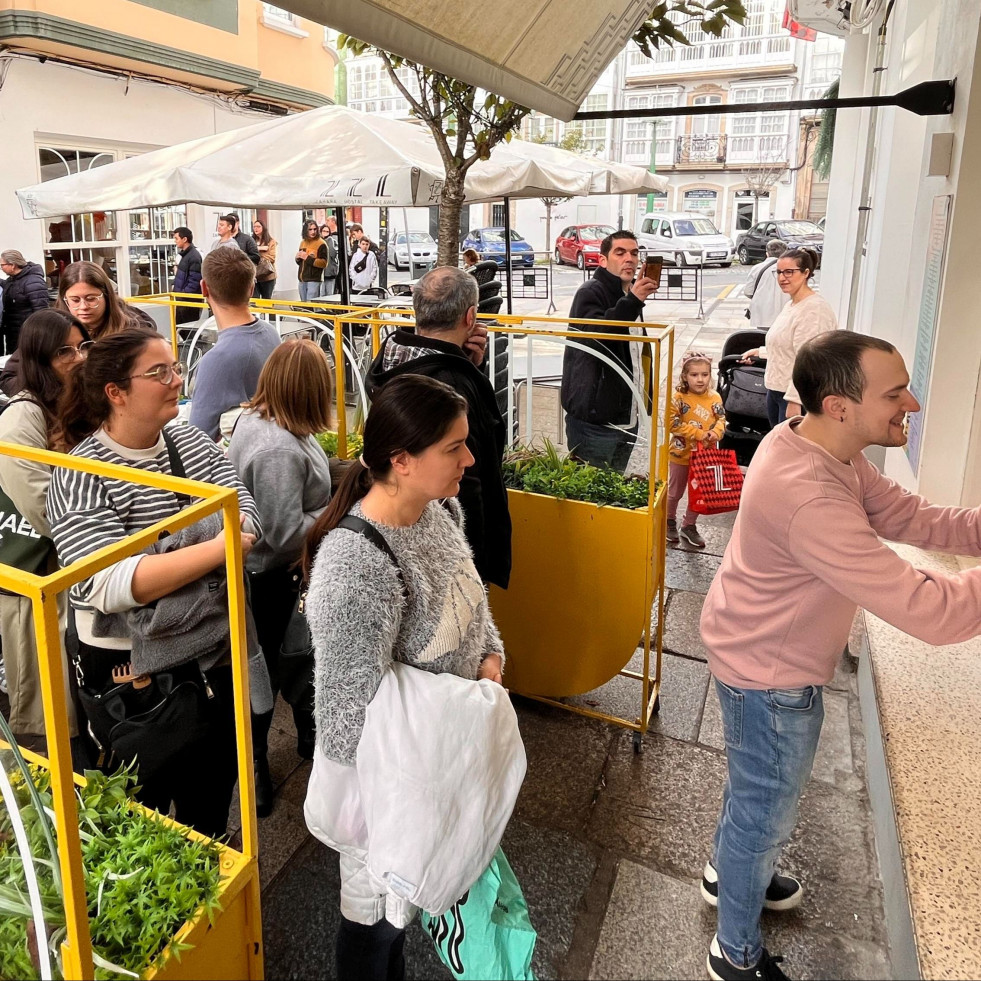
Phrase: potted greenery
x=583 y=571
x=154 y=889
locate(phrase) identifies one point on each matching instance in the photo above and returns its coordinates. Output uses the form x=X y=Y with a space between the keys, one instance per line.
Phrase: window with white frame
x=638 y=132
x=595 y=131
x=274 y=13
x=134 y=248
x=538 y=128
x=758 y=136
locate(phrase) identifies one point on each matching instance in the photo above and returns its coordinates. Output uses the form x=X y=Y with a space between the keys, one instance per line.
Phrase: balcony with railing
x=734 y=54
x=716 y=150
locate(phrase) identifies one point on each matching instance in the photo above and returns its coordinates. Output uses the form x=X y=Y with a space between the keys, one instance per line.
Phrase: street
x=717 y=285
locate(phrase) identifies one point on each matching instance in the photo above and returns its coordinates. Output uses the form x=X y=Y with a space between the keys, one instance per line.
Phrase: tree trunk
x=548 y=227
x=450 y=208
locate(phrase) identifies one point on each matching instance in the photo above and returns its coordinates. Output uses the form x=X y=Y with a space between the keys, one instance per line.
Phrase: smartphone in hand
x=652 y=269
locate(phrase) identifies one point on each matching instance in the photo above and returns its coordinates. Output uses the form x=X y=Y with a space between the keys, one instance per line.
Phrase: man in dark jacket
x=448 y=345
x=24 y=291
x=600 y=420
x=245 y=241
x=187 y=278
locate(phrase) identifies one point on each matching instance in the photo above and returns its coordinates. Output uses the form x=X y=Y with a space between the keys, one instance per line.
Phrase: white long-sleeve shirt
x=796 y=324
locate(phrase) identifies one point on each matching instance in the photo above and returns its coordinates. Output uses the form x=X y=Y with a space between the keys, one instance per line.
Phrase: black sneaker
x=672 y=530
x=784 y=891
x=690 y=534
x=765 y=969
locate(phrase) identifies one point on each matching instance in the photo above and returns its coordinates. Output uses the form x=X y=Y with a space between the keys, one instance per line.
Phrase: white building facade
x=732 y=168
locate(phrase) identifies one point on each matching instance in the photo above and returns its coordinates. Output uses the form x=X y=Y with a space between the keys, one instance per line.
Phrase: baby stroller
x=743 y=395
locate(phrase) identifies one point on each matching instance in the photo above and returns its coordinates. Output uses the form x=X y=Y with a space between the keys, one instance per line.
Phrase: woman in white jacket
x=364 y=267
x=807 y=315
x=365 y=611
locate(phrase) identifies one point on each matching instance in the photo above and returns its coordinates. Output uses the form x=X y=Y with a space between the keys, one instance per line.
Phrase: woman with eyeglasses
x=115 y=410
x=807 y=315
x=87 y=293
x=52 y=346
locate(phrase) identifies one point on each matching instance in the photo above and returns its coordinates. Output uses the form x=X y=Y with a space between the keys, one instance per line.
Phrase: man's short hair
x=230 y=276
x=185 y=232
x=442 y=298
x=831 y=364
x=607 y=242
x=228 y=219
x=776 y=248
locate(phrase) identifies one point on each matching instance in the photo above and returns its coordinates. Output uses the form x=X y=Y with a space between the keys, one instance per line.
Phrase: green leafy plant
x=328 y=443
x=144 y=878
x=547 y=471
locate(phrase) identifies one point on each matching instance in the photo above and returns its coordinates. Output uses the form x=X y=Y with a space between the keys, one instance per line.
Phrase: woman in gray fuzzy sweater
x=365 y=612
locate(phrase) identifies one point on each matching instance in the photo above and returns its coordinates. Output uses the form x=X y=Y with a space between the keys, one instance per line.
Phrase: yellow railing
x=42 y=592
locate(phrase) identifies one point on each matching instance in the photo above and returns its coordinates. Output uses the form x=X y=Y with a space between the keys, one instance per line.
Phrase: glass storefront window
x=136 y=245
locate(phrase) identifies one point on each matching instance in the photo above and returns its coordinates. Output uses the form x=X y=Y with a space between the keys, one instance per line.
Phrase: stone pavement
x=608 y=845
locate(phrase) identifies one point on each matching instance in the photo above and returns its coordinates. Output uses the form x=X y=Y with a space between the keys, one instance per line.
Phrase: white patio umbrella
x=327 y=157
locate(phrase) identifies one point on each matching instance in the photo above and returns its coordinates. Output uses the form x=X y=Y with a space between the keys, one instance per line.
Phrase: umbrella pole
x=507 y=250
x=342 y=257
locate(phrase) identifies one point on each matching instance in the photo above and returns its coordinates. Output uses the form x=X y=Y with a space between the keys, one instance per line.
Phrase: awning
x=544 y=54
x=327 y=157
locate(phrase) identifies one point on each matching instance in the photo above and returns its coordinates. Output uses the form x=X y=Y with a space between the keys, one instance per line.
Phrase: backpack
x=333 y=264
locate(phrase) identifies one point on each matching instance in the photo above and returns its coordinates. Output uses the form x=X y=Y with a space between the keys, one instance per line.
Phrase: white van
x=685 y=239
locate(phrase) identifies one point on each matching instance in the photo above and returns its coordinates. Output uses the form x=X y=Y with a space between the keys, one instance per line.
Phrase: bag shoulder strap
x=6 y=405
x=176 y=465
x=369 y=531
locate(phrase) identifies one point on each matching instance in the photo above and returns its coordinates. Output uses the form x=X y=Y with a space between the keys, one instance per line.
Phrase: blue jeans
x=328 y=287
x=771 y=736
x=309 y=291
x=776 y=407
x=602 y=446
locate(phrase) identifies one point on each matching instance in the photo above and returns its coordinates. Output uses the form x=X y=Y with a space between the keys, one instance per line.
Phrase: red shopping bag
x=714 y=480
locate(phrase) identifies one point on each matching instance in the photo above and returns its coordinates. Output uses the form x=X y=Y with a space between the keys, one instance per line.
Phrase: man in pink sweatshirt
x=805 y=552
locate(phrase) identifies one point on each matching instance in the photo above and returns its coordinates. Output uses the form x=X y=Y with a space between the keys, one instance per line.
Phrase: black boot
x=263 y=787
x=370 y=953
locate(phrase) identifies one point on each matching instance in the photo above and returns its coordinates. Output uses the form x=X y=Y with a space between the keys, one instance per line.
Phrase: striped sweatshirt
x=88 y=512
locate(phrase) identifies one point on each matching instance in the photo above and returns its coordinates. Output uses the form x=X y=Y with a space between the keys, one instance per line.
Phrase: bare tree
x=467 y=124
x=763 y=175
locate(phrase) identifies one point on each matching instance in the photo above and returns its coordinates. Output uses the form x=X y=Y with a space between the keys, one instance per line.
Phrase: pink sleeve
x=935 y=608
x=900 y=516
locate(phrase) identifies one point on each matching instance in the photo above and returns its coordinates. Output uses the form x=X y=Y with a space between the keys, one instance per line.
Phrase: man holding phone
x=601 y=412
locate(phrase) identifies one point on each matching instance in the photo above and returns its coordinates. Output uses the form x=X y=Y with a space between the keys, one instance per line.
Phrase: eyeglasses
x=69 y=352
x=164 y=373
x=89 y=300
x=789 y=272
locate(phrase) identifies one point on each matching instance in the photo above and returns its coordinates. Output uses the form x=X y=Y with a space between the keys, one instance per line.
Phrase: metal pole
x=865 y=195
x=653 y=167
x=507 y=250
x=342 y=257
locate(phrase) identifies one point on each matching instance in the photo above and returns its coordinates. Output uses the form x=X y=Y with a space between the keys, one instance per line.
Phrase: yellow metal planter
x=580 y=580
x=231 y=946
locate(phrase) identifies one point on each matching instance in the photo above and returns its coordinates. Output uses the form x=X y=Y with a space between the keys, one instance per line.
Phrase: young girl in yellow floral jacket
x=697 y=416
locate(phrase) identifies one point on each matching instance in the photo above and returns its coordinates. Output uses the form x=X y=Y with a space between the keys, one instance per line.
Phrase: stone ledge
x=921 y=706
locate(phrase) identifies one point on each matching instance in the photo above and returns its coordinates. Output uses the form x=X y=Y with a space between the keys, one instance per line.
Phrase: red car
x=580 y=244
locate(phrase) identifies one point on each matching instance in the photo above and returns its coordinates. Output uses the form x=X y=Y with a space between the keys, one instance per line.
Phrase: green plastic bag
x=487 y=935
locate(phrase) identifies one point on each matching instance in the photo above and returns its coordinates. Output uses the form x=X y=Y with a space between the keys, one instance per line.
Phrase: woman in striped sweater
x=114 y=410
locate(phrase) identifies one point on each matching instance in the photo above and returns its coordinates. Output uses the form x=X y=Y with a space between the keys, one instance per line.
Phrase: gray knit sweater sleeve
x=361 y=622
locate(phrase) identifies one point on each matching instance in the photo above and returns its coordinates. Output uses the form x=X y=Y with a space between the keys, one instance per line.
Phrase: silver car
x=422 y=245
x=685 y=240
